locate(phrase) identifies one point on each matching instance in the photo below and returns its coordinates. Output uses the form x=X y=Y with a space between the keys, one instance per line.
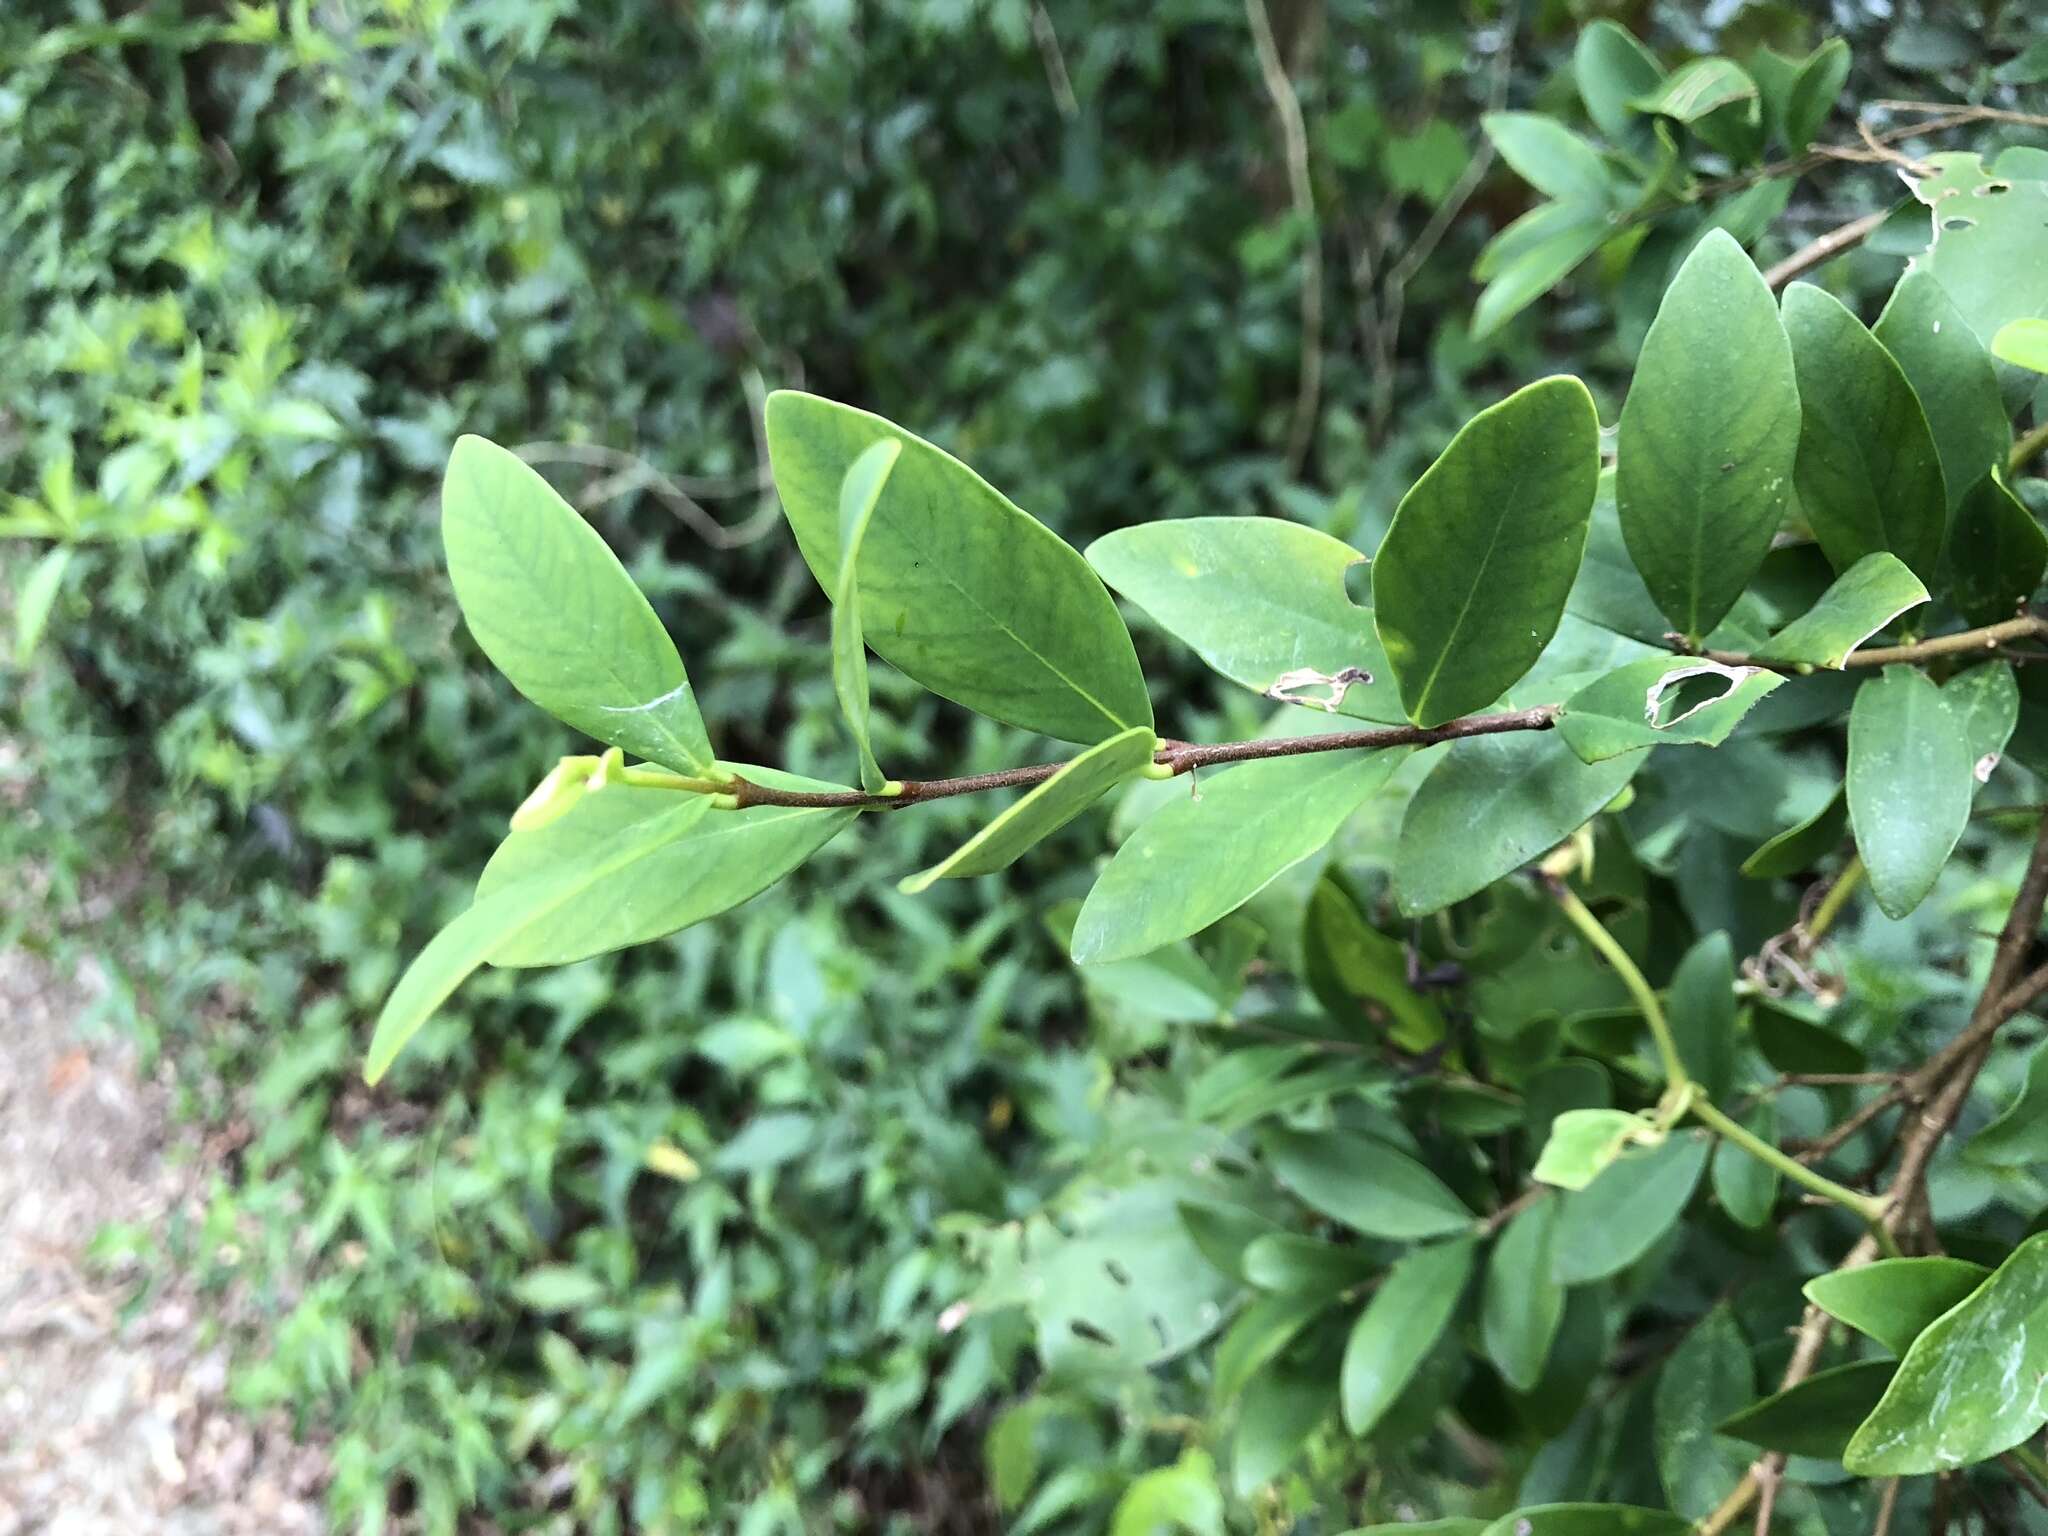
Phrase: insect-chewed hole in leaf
x=1117 y=1272
x=1298 y=686
x=1358 y=583
x=1687 y=690
x=1084 y=1329
x=1994 y=188
x=1165 y=1334
x=1958 y=223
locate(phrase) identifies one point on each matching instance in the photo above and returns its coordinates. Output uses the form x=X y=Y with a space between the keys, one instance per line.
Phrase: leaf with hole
x=1862 y=600
x=1365 y=1184
x=858 y=494
x=1398 y=1328
x=1668 y=701
x=1987 y=239
x=1910 y=782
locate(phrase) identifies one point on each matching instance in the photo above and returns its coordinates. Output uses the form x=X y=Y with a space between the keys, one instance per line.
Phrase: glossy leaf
x=1653 y=703
x=1816 y=1417
x=1868 y=476
x=1997 y=553
x=1709 y=436
x=1973 y=1384
x=479 y=932
x=1952 y=374
x=1863 y=600
x=1046 y=808
x=1987 y=240
x=1802 y=845
x=1492 y=805
x=1261 y=601
x=1398 y=1328
x=1701 y=1009
x=1522 y=1304
x=1893 y=1300
x=2023 y=343
x=601 y=661
x=1708 y=1377
x=1910 y=783
x=2018 y=1138
x=960 y=589
x=1365 y=1184
x=1512 y=493
x=1747 y=1186
x=1583 y=1143
x=1612 y=1222
x=858 y=494
x=712 y=866
x=1204 y=854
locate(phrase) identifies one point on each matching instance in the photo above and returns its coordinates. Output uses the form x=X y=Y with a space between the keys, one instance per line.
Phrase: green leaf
x=1398 y=1328
x=1987 y=240
x=1612 y=70
x=1801 y=846
x=858 y=495
x=710 y=867
x=2023 y=343
x=960 y=589
x=1996 y=553
x=1708 y=1377
x=1450 y=1525
x=1791 y=1043
x=1196 y=860
x=1512 y=494
x=1868 y=475
x=1894 y=1300
x=478 y=933
x=1550 y=157
x=1951 y=373
x=1984 y=701
x=1709 y=437
x=1818 y=1415
x=1282 y=1408
x=1287 y=1261
x=1365 y=1184
x=1648 y=703
x=1972 y=1384
x=1747 y=1186
x=1492 y=805
x=1910 y=785
x=558 y=1288
x=1048 y=807
x=1522 y=1304
x=1261 y=601
x=2019 y=1137
x=1258 y=1334
x=38 y=595
x=1814 y=92
x=1358 y=972
x=1588 y=1520
x=1612 y=1222
x=558 y=615
x=1863 y=600
x=1530 y=257
x=1694 y=90
x=1702 y=1013
x=1584 y=1143
x=1182 y=1497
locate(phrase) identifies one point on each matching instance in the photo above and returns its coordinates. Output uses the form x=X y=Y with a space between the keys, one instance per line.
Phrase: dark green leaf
x=1355 y=970
x=1803 y=845
x=1286 y=1261
x=1708 y=1377
x=1282 y=1408
x=1747 y=1186
x=1792 y=1043
x=858 y=494
x=1863 y=600
x=2019 y=1137
x=1653 y=703
x=1996 y=553
x=1365 y=1184
x=1399 y=1327
x=1588 y=1520
x=1952 y=374
x=1816 y=1417
x=1813 y=95
x=1522 y=1305
x=1910 y=784
x=1702 y=1013
x=1894 y=1300
x=1258 y=1335
x=1612 y=1222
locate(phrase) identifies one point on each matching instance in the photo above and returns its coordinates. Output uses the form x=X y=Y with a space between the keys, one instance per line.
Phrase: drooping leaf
x=1708 y=1377
x=1365 y=1184
x=477 y=934
x=1398 y=1328
x=1612 y=70
x=1583 y=1143
x=2018 y=1138
x=1612 y=1222
x=1894 y=1300
x=712 y=866
x=1709 y=436
x=557 y=614
x=1868 y=476
x=1550 y=157
x=1512 y=493
x=1196 y=860
x=1522 y=1304
x=960 y=589
x=1652 y=703
x=1747 y=1186
x=1952 y=374
x=1588 y=1520
x=2023 y=343
x=1260 y=600
x=1802 y=845
x=1701 y=1009
x=1910 y=783
x=1973 y=1384
x=1987 y=239
x=1038 y=814
x=1492 y=805
x=1863 y=600
x=858 y=494
x=1996 y=553
x=1817 y=1416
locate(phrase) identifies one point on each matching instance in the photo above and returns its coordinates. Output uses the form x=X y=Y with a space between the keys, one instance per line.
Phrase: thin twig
x=1986 y=639
x=2028 y=448
x=1294 y=144
x=2024 y=1478
x=1824 y=248
x=1887 y=1504
x=1055 y=62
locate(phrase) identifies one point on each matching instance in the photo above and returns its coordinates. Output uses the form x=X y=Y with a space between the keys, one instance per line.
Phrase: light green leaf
x=1671 y=701
x=1512 y=494
x=1910 y=785
x=558 y=615
x=1868 y=475
x=1042 y=812
x=1530 y=257
x=1973 y=1384
x=1862 y=600
x=960 y=589
x=2019 y=1137
x=1522 y=1305
x=1801 y=846
x=1287 y=1261
x=38 y=595
x=1282 y=1408
x=1612 y=70
x=1182 y=1497
x=1398 y=1328
x=1365 y=1184
x=1894 y=1300
x=1196 y=860
x=558 y=1288
x=478 y=933
x=1694 y=90
x=1612 y=1222
x=1588 y=1520
x=1996 y=553
x=1709 y=436
x=1747 y=1186
x=2023 y=343
x=1257 y=1335
x=1984 y=701
x=1550 y=157
x=1987 y=240
x=1708 y=1377
x=1492 y=805
x=1951 y=374
x=1817 y=1416
x=1583 y=1143
x=1260 y=600
x=712 y=866
x=858 y=495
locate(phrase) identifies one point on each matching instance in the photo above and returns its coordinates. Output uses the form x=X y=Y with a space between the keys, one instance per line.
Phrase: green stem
x=2028 y=448
x=1596 y=934
x=1868 y=1207
x=1838 y=895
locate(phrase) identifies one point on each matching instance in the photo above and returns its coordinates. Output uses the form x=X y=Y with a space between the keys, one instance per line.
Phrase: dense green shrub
x=668 y=1239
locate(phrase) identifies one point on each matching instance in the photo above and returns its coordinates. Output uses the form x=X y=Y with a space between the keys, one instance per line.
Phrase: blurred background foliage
x=678 y=1239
